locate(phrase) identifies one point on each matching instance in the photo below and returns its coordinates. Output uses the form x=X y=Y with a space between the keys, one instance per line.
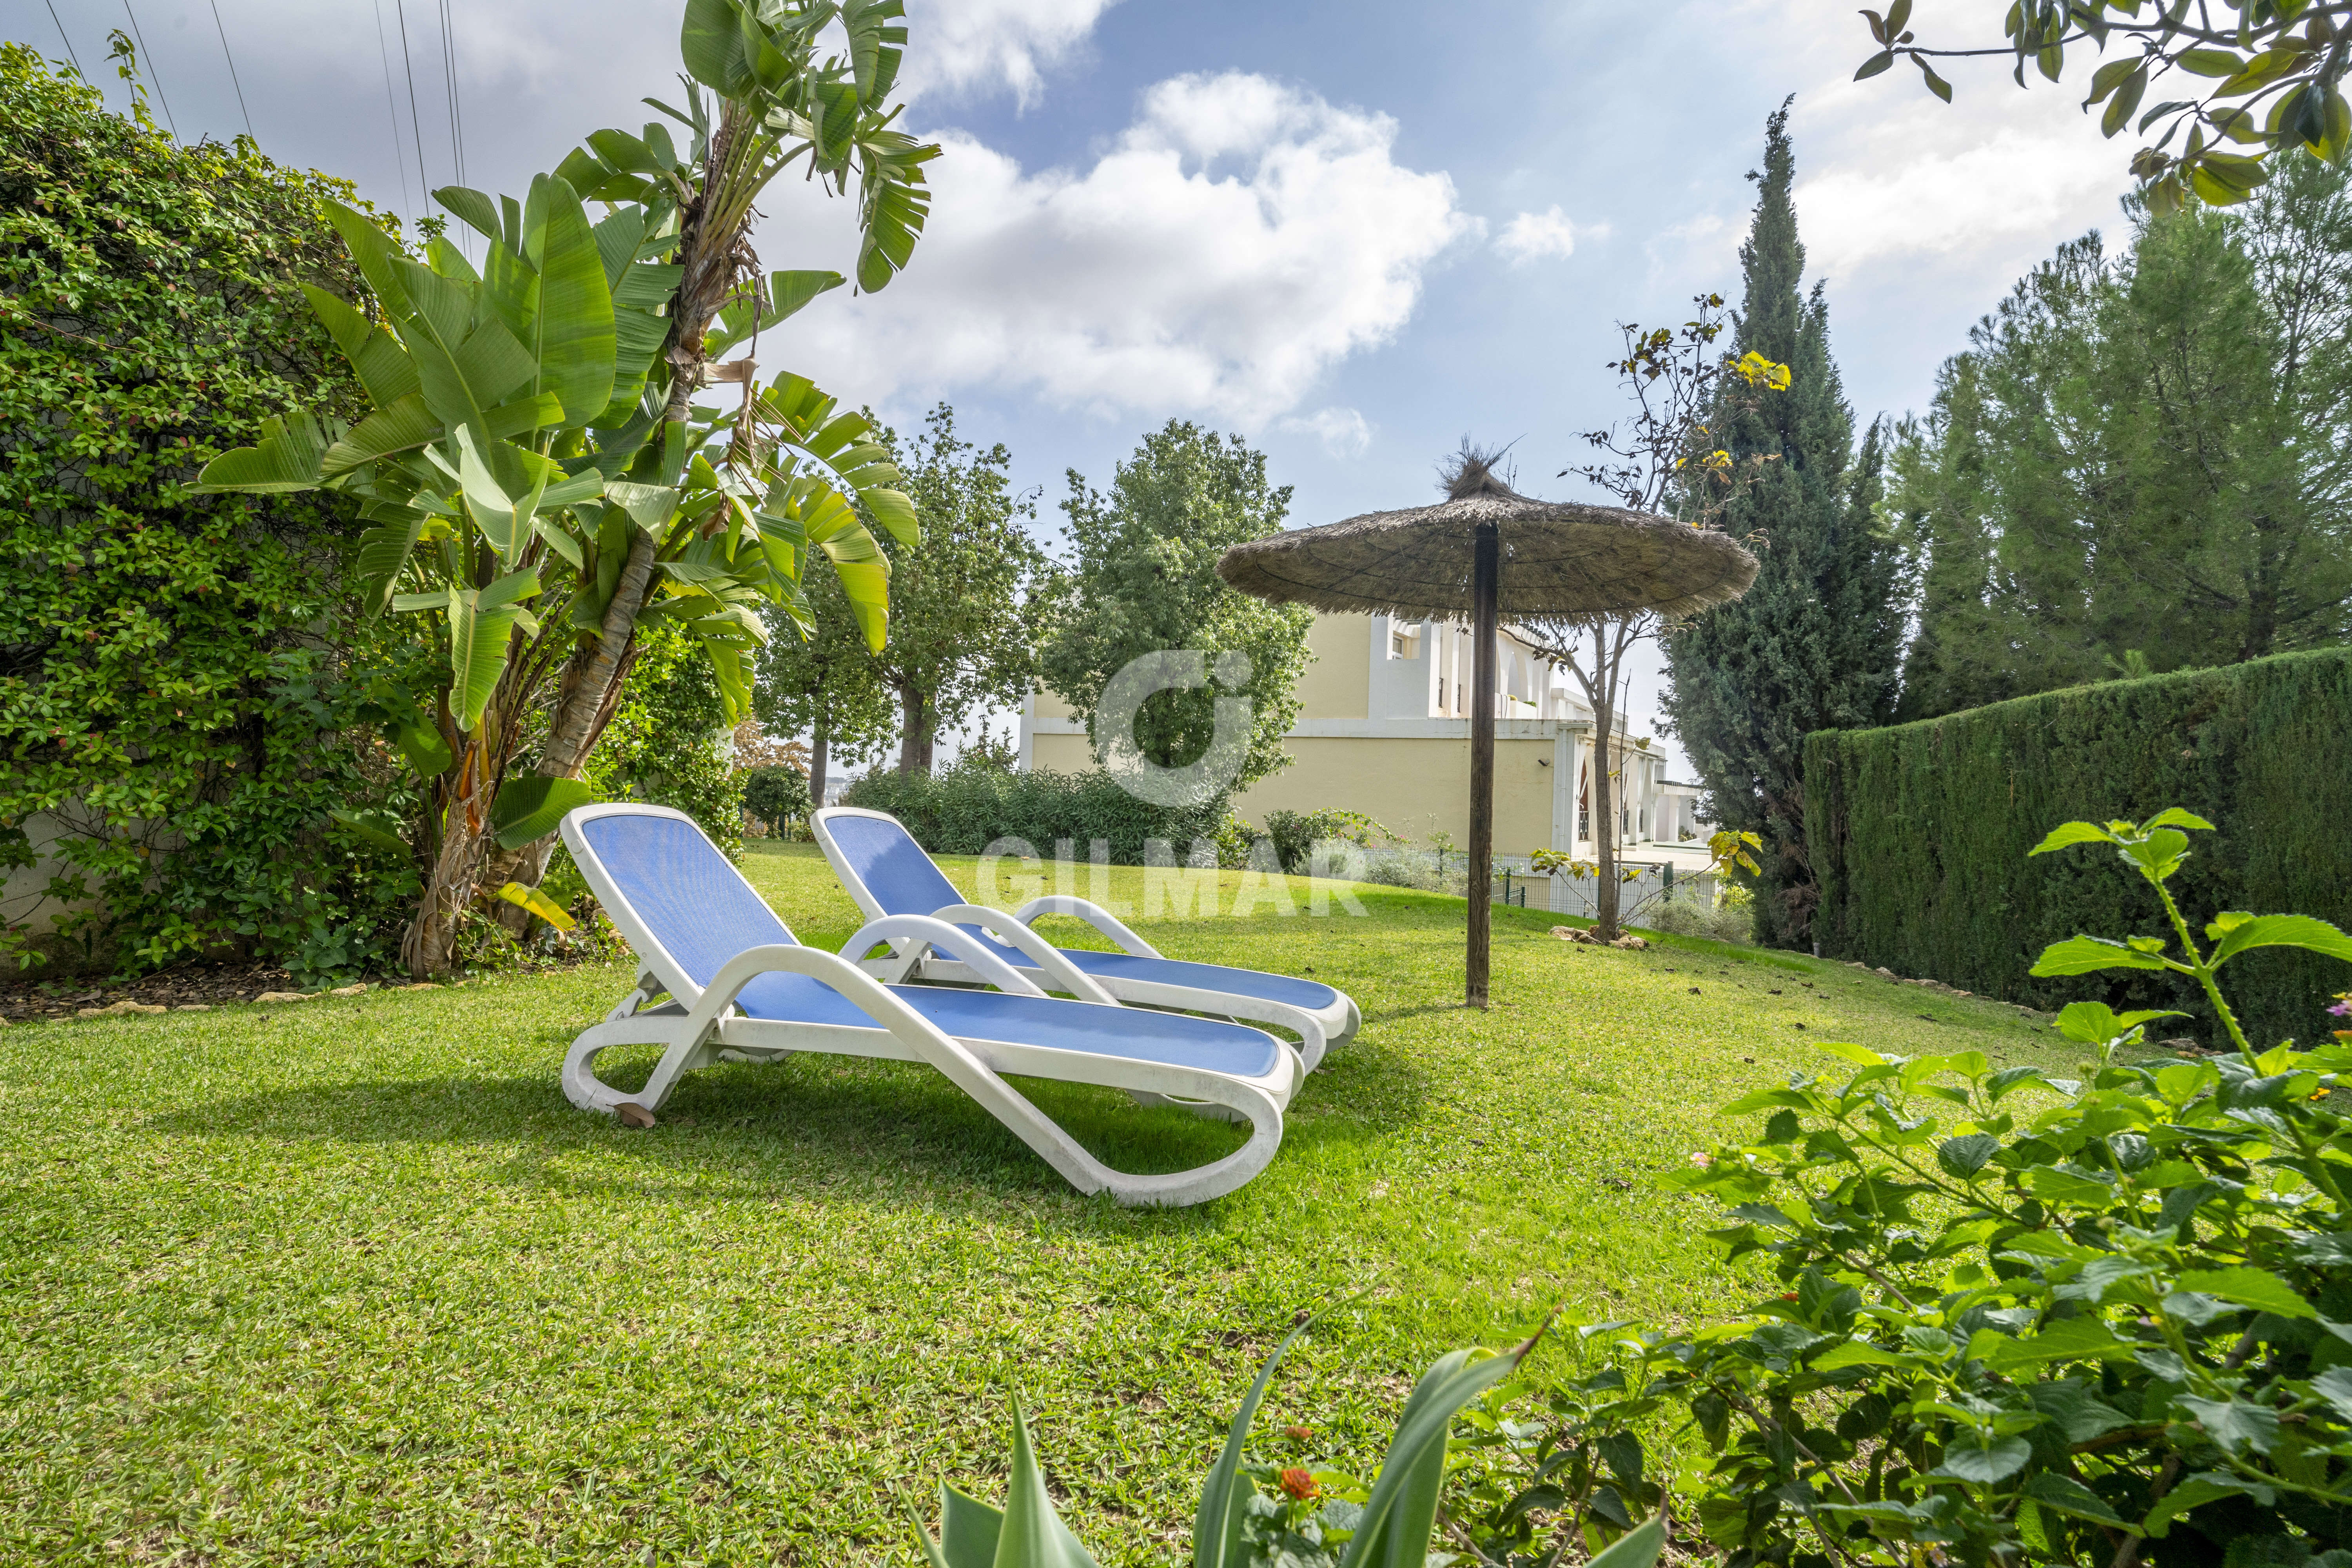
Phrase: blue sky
x=1352 y=233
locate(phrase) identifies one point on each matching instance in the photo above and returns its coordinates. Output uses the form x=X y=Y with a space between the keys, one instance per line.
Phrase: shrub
x=1276 y=1516
x=961 y=811
x=663 y=743
x=2016 y=1318
x=776 y=796
x=182 y=678
x=1297 y=833
x=1919 y=833
x=1692 y=914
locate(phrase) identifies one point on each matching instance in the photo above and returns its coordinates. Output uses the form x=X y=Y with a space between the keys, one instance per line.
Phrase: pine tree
x=1815 y=643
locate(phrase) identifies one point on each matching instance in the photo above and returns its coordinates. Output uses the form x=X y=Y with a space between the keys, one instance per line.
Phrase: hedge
x=962 y=810
x=181 y=677
x=1919 y=833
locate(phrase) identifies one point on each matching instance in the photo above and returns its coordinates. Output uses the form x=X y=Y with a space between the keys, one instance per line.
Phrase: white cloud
x=1532 y=236
x=1343 y=431
x=1229 y=248
x=1886 y=173
x=974 y=46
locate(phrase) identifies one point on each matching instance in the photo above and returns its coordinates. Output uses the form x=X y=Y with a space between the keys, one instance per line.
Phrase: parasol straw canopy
x=1484 y=554
x=1558 y=559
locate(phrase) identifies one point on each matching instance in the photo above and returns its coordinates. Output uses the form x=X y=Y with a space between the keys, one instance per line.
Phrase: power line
x=400 y=9
x=152 y=74
x=232 y=70
x=457 y=98
x=392 y=106
x=69 y=38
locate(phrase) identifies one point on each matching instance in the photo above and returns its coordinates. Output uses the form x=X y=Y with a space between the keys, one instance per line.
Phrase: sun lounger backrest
x=885 y=856
x=690 y=901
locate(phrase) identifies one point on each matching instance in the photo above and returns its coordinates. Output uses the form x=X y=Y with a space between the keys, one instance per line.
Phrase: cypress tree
x=1816 y=642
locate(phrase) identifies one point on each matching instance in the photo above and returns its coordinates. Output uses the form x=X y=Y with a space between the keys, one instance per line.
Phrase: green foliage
x=775 y=795
x=1295 y=833
x=825 y=683
x=972 y=599
x=663 y=744
x=1146 y=582
x=2028 y=1319
x=1920 y=832
x=1252 y=1515
x=1815 y=643
x=182 y=687
x=2275 y=75
x=2141 y=453
x=962 y=810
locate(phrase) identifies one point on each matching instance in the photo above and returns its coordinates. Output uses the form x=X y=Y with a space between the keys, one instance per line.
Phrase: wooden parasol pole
x=1485 y=573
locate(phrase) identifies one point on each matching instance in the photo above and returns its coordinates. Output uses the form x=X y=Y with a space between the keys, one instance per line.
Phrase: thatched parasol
x=1482 y=553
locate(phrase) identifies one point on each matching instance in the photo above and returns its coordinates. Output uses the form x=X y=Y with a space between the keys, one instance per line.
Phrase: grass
x=350 y=1282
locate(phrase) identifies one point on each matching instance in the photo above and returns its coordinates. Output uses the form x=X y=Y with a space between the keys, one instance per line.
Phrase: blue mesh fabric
x=894 y=868
x=700 y=908
x=1134 y=1033
x=691 y=900
x=886 y=857
x=1282 y=988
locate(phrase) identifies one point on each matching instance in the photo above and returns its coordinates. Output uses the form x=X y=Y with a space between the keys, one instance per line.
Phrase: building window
x=1404 y=642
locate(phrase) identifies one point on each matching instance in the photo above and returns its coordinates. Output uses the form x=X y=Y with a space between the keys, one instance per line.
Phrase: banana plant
x=536 y=479
x=1390 y=1525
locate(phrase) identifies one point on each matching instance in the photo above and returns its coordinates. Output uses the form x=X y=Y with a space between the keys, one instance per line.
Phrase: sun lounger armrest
x=920 y=932
x=1095 y=915
x=1066 y=975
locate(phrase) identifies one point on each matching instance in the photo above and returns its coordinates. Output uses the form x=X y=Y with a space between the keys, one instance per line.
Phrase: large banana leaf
x=289 y=458
x=531 y=807
x=574 y=343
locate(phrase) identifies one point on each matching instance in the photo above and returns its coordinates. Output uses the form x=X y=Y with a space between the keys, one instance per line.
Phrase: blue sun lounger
x=741 y=987
x=887 y=873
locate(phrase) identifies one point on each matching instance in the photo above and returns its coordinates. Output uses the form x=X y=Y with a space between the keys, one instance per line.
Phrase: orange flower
x=1298 y=1434
x=1299 y=1484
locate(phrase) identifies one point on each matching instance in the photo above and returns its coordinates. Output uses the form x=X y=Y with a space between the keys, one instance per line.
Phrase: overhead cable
x=152 y=74
x=231 y=70
x=392 y=106
x=400 y=9
x=68 y=37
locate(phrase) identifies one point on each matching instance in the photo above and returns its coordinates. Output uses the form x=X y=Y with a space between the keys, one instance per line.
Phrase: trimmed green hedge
x=962 y=810
x=1919 y=833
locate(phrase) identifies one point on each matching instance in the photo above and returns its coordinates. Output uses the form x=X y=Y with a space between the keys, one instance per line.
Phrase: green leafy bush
x=776 y=796
x=1265 y=1516
x=1694 y=914
x=1295 y=833
x=2019 y=1317
x=182 y=678
x=1919 y=833
x=663 y=743
x=962 y=810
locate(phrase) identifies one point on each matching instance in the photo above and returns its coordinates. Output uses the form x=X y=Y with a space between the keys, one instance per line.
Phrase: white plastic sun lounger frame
x=699 y=1026
x=1318 y=1030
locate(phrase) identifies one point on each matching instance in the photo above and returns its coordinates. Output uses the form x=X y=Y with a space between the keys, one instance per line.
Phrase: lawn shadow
x=890 y=1133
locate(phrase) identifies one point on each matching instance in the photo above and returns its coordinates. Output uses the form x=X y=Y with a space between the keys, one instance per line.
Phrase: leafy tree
x=2141 y=462
x=2275 y=69
x=1666 y=461
x=970 y=604
x=181 y=676
x=1146 y=582
x=663 y=743
x=1816 y=643
x=542 y=483
x=825 y=683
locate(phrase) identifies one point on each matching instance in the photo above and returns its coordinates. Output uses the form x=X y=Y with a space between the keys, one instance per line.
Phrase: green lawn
x=350 y=1282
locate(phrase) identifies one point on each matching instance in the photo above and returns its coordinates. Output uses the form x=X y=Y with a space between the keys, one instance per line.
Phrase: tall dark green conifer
x=1815 y=643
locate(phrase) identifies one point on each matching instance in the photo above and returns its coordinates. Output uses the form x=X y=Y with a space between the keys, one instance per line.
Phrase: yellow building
x=1383 y=729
